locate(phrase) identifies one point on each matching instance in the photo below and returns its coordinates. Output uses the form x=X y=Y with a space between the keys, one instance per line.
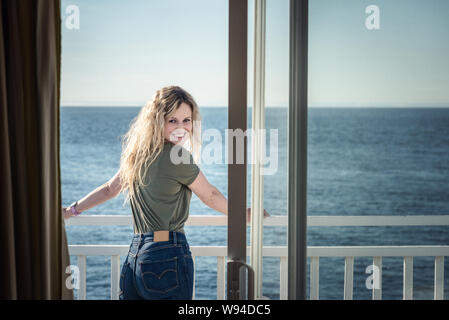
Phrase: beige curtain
x=33 y=247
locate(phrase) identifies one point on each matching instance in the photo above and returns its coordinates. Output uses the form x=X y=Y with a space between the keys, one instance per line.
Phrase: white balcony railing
x=348 y=252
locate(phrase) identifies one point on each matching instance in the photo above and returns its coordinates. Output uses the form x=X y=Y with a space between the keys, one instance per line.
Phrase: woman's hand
x=67 y=213
x=248 y=214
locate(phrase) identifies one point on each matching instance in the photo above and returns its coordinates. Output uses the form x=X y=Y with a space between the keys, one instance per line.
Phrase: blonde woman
x=159 y=264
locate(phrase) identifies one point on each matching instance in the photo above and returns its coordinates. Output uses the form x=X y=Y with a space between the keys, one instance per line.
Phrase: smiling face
x=179 y=125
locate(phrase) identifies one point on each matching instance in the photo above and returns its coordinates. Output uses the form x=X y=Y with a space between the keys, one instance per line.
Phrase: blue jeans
x=157 y=270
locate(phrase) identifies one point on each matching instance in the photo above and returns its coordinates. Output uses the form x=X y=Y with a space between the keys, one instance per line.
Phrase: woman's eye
x=172 y=121
x=186 y=120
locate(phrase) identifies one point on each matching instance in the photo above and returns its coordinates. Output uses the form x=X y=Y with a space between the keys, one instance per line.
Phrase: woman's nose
x=181 y=125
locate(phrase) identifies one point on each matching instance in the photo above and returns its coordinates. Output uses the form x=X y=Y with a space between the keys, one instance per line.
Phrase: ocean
x=361 y=161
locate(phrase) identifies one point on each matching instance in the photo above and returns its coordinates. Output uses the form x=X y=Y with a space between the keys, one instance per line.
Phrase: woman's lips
x=178 y=135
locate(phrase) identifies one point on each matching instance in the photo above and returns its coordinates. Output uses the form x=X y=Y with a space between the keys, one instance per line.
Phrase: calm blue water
x=372 y=161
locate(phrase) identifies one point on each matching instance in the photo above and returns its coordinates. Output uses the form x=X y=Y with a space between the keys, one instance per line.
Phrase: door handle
x=234 y=292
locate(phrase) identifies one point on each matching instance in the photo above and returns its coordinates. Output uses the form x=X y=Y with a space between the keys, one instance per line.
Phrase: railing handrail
x=278 y=220
x=281 y=251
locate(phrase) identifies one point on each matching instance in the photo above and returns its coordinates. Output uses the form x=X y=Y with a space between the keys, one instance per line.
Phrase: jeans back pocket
x=160 y=276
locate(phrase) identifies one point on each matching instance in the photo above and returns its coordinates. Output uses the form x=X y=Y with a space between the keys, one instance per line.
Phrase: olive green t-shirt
x=163 y=204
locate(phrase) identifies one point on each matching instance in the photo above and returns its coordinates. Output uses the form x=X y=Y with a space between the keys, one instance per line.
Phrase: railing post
x=193 y=294
x=439 y=279
x=377 y=278
x=82 y=277
x=115 y=276
x=314 y=278
x=283 y=290
x=221 y=272
x=408 y=279
x=349 y=274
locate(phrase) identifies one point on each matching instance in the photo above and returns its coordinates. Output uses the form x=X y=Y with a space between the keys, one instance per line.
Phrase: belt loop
x=174 y=238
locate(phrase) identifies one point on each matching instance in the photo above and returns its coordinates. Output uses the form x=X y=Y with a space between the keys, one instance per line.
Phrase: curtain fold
x=33 y=243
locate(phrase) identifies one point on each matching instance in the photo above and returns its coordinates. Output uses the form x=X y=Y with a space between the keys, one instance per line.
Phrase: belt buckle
x=162 y=235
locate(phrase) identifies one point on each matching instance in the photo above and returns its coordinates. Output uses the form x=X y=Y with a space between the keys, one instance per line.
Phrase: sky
x=121 y=52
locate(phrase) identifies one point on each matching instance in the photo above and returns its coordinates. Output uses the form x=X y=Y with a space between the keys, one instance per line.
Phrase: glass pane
x=378 y=128
x=114 y=58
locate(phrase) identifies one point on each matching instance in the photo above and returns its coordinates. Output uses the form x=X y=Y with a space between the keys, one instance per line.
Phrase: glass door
x=266 y=148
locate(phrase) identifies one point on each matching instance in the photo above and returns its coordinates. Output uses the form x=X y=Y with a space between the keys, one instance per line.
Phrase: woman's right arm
x=213 y=198
x=101 y=194
x=208 y=194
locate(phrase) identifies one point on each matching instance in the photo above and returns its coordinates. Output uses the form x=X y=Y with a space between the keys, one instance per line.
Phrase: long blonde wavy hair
x=145 y=139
